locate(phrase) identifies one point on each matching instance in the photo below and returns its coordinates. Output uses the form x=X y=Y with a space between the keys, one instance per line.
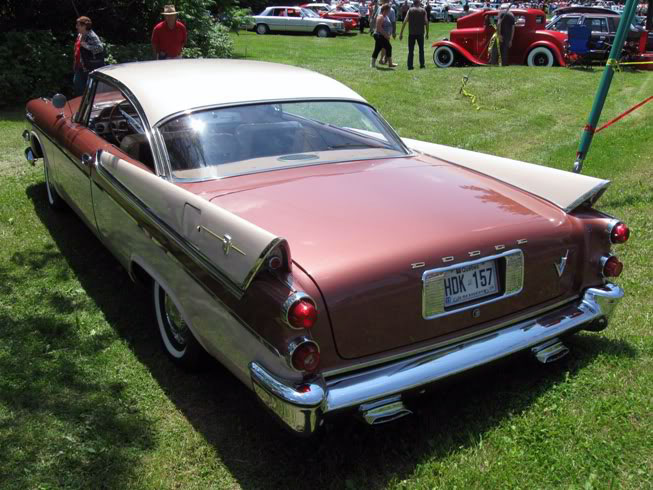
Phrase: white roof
x=170 y=86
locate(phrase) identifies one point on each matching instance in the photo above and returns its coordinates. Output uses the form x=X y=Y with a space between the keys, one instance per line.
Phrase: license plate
x=470 y=282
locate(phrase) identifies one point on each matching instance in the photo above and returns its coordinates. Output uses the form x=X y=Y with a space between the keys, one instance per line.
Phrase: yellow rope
x=616 y=65
x=494 y=40
x=472 y=98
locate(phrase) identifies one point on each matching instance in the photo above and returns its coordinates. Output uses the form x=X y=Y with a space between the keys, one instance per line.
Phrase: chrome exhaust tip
x=550 y=351
x=383 y=411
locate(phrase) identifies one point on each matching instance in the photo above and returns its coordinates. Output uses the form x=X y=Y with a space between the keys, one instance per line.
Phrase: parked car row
x=296 y=19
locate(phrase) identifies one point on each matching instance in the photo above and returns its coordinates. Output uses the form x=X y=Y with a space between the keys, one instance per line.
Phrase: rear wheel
x=322 y=32
x=540 y=56
x=54 y=199
x=262 y=29
x=178 y=340
x=444 y=57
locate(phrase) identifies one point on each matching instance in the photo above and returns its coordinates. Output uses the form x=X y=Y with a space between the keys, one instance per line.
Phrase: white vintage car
x=296 y=19
x=285 y=229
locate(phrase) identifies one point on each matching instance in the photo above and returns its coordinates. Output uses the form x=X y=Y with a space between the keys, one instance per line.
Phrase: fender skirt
x=462 y=51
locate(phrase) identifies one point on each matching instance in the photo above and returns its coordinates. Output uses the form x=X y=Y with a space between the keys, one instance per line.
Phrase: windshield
x=230 y=141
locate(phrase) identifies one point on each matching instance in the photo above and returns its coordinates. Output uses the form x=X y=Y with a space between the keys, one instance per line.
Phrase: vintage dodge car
x=285 y=229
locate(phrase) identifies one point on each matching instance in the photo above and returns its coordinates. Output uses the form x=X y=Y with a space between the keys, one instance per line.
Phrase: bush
x=116 y=53
x=214 y=42
x=34 y=64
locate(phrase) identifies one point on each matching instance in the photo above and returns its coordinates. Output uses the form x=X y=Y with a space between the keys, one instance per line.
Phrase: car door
x=277 y=19
x=78 y=147
x=600 y=37
x=295 y=21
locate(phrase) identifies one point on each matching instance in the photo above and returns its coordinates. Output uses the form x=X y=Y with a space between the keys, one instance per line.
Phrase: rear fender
x=459 y=50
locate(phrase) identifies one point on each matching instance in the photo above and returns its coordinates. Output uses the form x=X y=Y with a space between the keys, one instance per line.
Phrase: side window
x=596 y=24
x=540 y=19
x=520 y=21
x=293 y=13
x=564 y=23
x=115 y=119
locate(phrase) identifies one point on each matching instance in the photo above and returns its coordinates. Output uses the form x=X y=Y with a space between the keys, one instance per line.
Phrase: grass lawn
x=88 y=399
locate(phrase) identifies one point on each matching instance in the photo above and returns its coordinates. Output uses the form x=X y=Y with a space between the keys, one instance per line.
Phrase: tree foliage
x=37 y=37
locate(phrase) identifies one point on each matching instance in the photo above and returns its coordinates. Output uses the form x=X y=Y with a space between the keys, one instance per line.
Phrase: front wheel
x=262 y=29
x=443 y=56
x=178 y=340
x=322 y=32
x=540 y=56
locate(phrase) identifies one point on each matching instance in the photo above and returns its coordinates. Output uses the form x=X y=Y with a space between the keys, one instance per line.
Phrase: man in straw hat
x=168 y=36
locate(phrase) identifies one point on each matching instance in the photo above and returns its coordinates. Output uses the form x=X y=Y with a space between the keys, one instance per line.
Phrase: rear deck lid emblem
x=560 y=268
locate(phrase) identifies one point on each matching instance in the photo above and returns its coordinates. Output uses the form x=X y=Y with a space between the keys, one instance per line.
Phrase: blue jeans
x=79 y=81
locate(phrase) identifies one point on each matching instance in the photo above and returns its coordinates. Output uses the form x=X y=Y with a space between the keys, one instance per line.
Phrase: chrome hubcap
x=177 y=325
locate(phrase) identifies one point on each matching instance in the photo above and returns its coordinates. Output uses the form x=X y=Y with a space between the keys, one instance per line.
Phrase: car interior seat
x=269 y=139
x=137 y=147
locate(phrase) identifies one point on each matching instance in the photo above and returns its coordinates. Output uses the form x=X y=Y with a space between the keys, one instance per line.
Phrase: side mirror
x=59 y=101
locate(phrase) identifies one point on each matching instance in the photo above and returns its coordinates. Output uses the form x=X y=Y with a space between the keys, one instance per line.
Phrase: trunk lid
x=367 y=231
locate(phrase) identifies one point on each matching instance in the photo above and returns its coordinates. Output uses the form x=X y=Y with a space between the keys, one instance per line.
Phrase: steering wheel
x=117 y=111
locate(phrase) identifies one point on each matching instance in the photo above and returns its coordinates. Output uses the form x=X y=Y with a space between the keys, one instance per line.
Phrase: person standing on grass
x=505 y=31
x=362 y=11
x=392 y=16
x=382 y=33
x=88 y=54
x=169 y=36
x=417 y=21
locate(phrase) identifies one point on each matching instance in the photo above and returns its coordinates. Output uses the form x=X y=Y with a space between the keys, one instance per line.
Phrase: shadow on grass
x=257 y=453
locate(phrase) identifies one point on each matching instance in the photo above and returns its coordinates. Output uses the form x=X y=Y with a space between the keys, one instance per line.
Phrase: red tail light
x=619 y=233
x=302 y=314
x=611 y=266
x=306 y=356
x=299 y=311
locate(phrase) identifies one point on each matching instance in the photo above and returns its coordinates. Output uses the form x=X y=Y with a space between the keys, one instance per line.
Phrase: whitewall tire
x=54 y=199
x=177 y=338
x=540 y=56
x=444 y=57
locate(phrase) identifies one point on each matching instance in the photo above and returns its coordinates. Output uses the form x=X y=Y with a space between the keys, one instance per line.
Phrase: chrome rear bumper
x=303 y=407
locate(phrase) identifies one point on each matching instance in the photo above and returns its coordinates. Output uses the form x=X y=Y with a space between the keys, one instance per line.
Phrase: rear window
x=596 y=24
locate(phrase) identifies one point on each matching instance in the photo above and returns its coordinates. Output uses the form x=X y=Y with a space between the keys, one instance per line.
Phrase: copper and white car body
x=328 y=264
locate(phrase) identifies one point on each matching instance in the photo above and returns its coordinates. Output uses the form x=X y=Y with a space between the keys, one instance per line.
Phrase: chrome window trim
x=364 y=365
x=161 y=169
x=439 y=270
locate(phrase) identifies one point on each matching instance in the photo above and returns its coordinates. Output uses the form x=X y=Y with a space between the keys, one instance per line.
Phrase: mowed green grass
x=88 y=399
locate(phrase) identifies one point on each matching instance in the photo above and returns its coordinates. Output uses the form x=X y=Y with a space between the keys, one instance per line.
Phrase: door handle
x=86 y=159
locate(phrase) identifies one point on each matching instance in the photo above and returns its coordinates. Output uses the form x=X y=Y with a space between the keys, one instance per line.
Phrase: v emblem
x=560 y=268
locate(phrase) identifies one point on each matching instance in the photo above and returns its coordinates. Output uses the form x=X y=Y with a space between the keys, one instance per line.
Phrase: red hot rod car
x=532 y=44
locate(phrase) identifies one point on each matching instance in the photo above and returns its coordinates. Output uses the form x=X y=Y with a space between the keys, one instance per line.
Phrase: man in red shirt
x=168 y=36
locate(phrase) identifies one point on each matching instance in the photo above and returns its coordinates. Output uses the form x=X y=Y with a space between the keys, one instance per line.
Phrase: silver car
x=296 y=19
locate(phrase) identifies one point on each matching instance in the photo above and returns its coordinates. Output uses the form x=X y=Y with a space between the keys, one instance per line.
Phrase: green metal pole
x=604 y=85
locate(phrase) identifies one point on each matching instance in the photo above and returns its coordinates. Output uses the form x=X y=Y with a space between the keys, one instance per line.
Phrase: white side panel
x=566 y=190
x=209 y=226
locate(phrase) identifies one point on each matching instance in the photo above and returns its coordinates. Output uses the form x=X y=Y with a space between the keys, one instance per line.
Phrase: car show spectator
x=505 y=31
x=168 y=36
x=382 y=34
x=364 y=13
x=88 y=53
x=404 y=10
x=418 y=22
